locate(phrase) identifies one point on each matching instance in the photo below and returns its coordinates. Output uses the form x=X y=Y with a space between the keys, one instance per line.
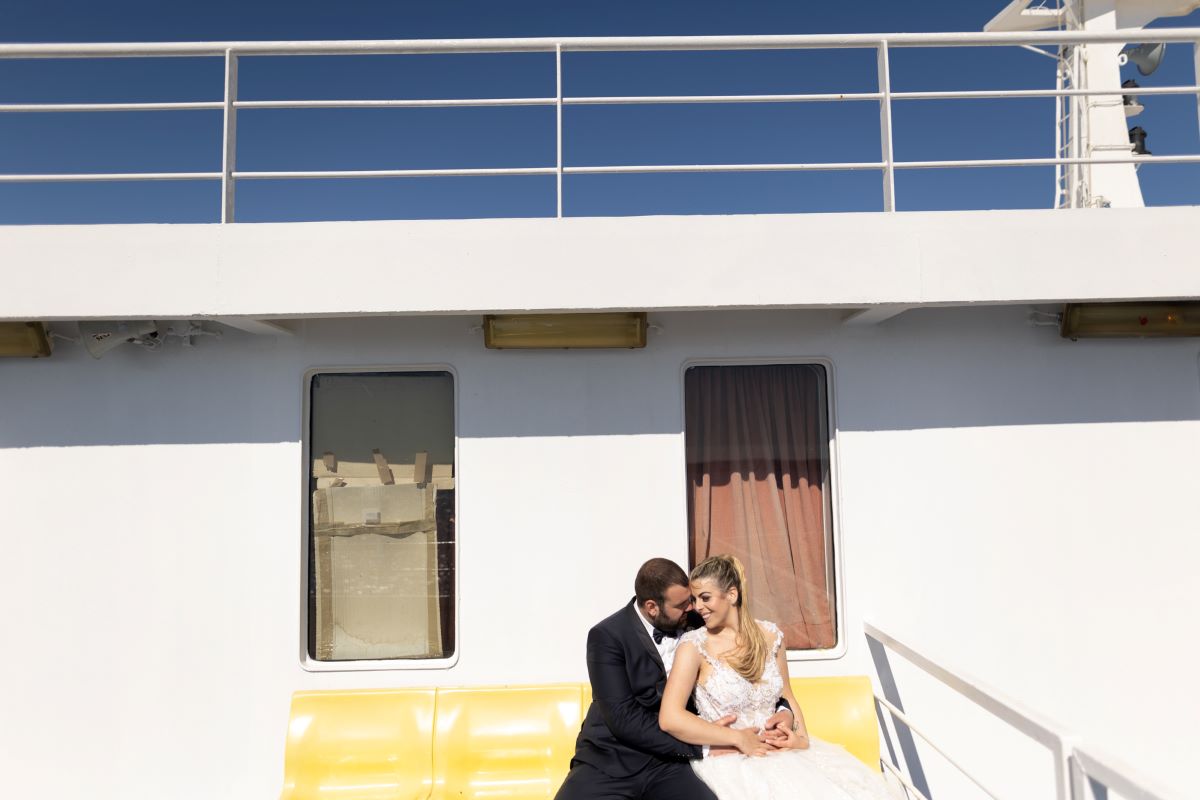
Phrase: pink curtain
x=757 y=460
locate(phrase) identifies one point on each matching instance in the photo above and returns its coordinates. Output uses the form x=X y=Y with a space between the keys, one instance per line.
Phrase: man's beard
x=660 y=622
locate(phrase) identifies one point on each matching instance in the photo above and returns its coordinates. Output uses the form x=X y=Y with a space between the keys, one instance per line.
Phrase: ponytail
x=749 y=656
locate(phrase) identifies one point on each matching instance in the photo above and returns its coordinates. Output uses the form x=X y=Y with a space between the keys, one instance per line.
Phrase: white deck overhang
x=852 y=261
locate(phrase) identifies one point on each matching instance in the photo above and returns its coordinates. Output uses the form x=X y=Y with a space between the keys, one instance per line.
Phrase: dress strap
x=699 y=637
x=772 y=630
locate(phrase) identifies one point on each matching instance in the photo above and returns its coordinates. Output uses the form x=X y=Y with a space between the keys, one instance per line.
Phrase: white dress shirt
x=665 y=648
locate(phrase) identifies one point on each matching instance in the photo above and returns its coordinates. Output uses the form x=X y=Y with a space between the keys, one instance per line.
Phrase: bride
x=736 y=665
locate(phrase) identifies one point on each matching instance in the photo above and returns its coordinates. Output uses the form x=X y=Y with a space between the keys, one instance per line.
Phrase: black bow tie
x=659 y=635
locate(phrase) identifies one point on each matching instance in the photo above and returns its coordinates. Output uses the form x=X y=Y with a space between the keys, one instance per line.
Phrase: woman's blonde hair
x=749 y=656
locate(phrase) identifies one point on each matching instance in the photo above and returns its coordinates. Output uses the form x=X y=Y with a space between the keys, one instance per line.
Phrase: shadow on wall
x=929 y=368
x=911 y=764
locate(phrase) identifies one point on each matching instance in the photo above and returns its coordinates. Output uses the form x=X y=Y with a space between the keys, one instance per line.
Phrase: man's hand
x=722 y=749
x=750 y=742
x=780 y=720
x=785 y=739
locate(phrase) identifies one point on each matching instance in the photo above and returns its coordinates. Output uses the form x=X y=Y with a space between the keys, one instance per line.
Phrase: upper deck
x=892 y=261
x=1089 y=248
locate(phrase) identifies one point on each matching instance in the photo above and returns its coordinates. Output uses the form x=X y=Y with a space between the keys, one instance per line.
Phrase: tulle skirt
x=824 y=771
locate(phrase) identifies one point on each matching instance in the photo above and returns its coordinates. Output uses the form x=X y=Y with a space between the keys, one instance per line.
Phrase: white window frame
x=835 y=502
x=307 y=662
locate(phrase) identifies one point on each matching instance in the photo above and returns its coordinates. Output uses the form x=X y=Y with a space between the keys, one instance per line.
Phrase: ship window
x=758 y=472
x=381 y=534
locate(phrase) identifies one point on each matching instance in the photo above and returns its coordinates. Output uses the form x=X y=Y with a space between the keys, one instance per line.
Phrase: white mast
x=1091 y=127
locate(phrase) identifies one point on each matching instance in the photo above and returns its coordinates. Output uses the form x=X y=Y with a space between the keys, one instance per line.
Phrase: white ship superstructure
x=240 y=421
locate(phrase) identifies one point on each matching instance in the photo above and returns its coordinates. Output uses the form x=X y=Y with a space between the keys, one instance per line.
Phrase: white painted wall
x=646 y=263
x=1021 y=504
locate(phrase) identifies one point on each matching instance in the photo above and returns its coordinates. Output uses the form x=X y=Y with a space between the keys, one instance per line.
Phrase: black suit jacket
x=620 y=734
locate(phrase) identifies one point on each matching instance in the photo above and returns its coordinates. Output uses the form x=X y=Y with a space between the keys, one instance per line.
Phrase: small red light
x=1143 y=320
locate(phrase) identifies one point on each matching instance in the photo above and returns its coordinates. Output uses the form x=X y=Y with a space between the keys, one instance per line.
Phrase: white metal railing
x=1074 y=764
x=1110 y=773
x=887 y=165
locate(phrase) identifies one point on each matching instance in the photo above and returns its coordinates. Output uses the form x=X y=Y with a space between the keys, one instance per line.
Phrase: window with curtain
x=381 y=523
x=757 y=441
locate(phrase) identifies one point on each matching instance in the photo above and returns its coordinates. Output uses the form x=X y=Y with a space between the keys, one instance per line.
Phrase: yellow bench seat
x=360 y=745
x=500 y=743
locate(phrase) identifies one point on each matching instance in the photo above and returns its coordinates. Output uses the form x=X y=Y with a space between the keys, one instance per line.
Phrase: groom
x=621 y=753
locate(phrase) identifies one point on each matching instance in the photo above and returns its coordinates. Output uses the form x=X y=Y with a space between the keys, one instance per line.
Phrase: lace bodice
x=726 y=692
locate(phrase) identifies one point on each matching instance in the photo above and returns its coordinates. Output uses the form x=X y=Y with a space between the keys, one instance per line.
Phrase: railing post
x=1066 y=783
x=885 y=129
x=1077 y=779
x=558 y=108
x=1196 y=73
x=229 y=141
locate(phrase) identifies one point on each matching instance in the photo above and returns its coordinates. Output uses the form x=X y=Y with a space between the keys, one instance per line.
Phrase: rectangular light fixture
x=1113 y=320
x=23 y=340
x=547 y=331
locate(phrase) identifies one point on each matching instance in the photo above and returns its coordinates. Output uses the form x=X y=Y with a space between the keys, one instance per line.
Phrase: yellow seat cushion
x=510 y=742
x=841 y=710
x=365 y=745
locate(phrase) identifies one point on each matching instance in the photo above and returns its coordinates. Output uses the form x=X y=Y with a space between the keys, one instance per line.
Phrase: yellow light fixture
x=24 y=340
x=1112 y=320
x=546 y=331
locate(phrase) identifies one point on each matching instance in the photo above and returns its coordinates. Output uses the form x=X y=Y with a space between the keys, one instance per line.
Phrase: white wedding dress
x=824 y=771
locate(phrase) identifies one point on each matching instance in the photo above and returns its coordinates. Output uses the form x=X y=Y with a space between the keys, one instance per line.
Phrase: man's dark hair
x=655 y=577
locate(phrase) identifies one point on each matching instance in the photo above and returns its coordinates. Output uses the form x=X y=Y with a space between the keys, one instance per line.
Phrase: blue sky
x=595 y=135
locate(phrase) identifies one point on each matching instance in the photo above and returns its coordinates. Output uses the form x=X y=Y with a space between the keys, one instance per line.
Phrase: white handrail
x=482 y=102
x=630 y=169
x=496 y=102
x=722 y=98
x=39 y=108
x=230 y=105
x=1114 y=775
x=581 y=44
x=397 y=173
x=1073 y=763
x=904 y=780
x=627 y=169
x=82 y=177
x=1026 y=720
x=900 y=715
